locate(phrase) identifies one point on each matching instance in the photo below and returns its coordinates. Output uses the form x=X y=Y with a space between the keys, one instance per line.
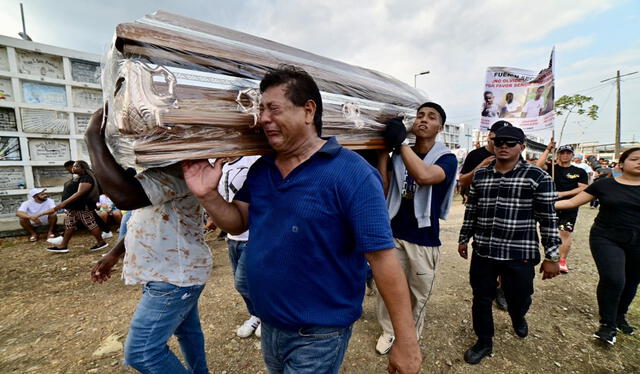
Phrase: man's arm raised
x=121 y=187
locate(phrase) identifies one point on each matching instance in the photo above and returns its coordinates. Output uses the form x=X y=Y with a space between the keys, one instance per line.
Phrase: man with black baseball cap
x=480 y=157
x=570 y=180
x=476 y=159
x=505 y=242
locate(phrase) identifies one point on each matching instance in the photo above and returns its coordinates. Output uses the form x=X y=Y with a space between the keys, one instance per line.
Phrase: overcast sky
x=455 y=40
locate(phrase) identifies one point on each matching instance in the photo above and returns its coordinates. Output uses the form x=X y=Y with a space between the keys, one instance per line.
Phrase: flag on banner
x=523 y=97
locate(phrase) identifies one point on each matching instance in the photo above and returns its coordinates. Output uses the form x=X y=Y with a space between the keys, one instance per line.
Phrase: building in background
x=47 y=95
x=450 y=135
x=606 y=151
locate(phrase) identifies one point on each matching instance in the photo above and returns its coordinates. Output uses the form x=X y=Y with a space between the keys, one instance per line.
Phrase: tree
x=574 y=104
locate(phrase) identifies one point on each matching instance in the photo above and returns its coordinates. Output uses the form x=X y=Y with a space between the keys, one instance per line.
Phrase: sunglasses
x=509 y=143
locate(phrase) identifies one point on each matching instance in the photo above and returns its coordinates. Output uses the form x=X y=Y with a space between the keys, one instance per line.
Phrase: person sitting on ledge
x=39 y=201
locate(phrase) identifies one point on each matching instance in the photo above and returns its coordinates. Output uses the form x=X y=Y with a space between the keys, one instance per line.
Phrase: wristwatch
x=555 y=258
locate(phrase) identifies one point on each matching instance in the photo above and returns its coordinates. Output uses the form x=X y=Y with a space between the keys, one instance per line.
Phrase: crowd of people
x=83 y=205
x=306 y=225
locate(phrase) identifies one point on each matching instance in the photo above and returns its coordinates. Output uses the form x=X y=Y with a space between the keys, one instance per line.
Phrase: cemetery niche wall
x=47 y=95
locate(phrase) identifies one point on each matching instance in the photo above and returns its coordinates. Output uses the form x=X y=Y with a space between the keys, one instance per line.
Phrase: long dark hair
x=94 y=193
x=87 y=169
x=626 y=154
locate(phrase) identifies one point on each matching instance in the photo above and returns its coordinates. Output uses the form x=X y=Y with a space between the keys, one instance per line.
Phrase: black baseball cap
x=498 y=125
x=565 y=147
x=510 y=133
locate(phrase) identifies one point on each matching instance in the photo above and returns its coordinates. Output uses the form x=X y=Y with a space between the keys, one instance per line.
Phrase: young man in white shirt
x=532 y=107
x=234 y=173
x=38 y=202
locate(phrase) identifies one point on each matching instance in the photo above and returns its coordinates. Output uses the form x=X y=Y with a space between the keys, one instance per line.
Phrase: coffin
x=179 y=89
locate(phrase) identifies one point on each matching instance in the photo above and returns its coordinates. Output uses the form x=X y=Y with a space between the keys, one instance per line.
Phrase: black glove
x=395 y=132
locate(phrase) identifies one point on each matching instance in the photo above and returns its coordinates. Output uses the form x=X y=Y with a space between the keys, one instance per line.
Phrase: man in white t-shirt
x=578 y=160
x=164 y=251
x=510 y=107
x=532 y=107
x=38 y=202
x=234 y=174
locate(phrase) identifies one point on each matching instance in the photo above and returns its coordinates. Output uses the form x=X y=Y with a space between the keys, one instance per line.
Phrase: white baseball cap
x=35 y=191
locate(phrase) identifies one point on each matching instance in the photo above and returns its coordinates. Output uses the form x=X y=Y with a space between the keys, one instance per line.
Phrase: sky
x=455 y=40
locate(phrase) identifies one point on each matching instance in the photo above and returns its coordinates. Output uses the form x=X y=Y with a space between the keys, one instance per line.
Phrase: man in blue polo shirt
x=316 y=213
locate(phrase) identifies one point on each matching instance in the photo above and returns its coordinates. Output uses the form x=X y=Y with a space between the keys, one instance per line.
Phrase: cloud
x=456 y=41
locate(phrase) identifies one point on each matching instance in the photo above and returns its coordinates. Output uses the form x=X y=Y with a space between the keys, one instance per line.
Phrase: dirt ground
x=54 y=320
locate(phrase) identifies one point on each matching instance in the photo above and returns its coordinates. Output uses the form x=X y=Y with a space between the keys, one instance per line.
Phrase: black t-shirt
x=474 y=158
x=567 y=178
x=619 y=203
x=71 y=187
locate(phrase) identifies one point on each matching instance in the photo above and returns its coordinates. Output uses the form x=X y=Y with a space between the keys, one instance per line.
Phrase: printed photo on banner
x=523 y=97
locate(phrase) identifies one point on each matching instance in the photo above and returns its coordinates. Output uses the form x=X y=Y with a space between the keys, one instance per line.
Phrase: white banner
x=523 y=97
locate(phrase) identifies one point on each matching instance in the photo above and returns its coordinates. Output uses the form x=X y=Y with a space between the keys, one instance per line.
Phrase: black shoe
x=521 y=329
x=624 y=326
x=479 y=351
x=606 y=334
x=58 y=250
x=501 y=301
x=98 y=247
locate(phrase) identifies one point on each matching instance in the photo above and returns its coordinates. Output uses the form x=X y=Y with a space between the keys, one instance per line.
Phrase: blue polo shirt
x=308 y=236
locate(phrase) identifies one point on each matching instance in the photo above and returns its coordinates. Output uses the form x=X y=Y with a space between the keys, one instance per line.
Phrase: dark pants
x=517 y=283
x=616 y=253
x=101 y=224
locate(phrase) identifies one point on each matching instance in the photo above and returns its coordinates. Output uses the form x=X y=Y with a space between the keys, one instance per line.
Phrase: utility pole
x=23 y=34
x=617 y=139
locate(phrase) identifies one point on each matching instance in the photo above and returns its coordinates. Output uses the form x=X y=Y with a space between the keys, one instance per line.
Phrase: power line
x=618 y=120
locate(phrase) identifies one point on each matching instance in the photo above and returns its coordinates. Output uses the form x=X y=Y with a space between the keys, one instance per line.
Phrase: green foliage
x=575 y=104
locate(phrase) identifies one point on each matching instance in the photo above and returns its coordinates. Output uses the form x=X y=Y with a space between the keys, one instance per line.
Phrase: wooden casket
x=179 y=89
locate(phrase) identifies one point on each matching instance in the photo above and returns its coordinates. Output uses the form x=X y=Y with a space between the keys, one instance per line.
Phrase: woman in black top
x=79 y=199
x=615 y=242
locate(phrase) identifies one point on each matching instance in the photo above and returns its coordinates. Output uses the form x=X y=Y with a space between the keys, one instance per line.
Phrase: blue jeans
x=314 y=350
x=238 y=268
x=123 y=224
x=165 y=310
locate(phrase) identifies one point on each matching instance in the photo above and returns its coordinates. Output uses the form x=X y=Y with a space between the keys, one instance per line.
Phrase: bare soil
x=54 y=320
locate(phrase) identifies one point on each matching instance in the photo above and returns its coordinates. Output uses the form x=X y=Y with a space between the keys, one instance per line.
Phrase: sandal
x=33 y=238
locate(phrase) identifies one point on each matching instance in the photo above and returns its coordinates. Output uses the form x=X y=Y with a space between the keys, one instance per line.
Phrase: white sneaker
x=385 y=342
x=106 y=235
x=55 y=241
x=259 y=331
x=248 y=327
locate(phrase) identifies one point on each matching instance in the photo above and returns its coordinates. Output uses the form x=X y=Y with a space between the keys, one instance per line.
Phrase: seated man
x=108 y=212
x=38 y=202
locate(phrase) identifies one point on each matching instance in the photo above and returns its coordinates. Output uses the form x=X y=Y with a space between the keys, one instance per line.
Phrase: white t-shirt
x=104 y=200
x=31 y=207
x=165 y=241
x=532 y=108
x=233 y=177
x=512 y=107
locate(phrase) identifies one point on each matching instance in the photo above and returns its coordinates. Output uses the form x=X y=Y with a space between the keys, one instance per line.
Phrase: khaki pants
x=419 y=266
